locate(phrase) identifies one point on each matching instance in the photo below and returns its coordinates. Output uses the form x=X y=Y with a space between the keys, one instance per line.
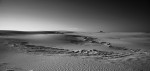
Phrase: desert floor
x=79 y=51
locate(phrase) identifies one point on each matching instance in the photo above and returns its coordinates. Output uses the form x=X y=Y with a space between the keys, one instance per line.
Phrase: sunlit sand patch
x=30 y=70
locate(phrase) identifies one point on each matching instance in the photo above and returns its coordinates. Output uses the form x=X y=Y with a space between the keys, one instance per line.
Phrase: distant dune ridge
x=10 y=32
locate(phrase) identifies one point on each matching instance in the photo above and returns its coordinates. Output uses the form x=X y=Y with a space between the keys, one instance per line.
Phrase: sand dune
x=75 y=51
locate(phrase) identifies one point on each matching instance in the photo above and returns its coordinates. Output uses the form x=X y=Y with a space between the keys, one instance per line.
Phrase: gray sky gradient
x=74 y=15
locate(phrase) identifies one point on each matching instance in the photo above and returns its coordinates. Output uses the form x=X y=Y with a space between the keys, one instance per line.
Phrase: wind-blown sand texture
x=71 y=51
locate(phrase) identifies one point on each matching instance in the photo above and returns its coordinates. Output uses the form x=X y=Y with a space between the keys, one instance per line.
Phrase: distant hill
x=12 y=32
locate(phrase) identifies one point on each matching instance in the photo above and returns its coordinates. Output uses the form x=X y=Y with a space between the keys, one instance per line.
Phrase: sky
x=75 y=15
